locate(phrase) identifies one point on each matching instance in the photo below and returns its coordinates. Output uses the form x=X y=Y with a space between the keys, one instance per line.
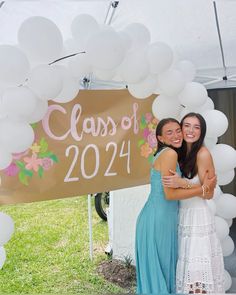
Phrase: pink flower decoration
x=148 y=117
x=33 y=163
x=12 y=170
x=18 y=156
x=146 y=132
x=146 y=150
x=152 y=141
x=47 y=163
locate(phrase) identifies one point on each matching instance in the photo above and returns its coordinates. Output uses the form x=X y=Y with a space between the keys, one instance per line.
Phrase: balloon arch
x=30 y=77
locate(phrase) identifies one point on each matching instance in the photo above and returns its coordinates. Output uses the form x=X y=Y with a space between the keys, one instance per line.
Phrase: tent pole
x=90 y=227
x=220 y=40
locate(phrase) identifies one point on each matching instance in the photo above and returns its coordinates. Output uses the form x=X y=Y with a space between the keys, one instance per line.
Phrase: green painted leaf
x=43 y=145
x=54 y=158
x=28 y=172
x=141 y=142
x=40 y=172
x=142 y=126
x=23 y=178
x=33 y=125
x=20 y=164
x=150 y=158
x=45 y=155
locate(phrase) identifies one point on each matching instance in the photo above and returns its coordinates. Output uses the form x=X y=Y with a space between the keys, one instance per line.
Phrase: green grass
x=49 y=251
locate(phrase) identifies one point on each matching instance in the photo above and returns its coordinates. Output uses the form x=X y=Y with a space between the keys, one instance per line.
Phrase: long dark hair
x=159 y=128
x=187 y=160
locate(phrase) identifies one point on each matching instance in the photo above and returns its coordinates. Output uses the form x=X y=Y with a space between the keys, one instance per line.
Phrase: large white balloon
x=224 y=157
x=227 y=246
x=164 y=107
x=187 y=68
x=225 y=177
x=38 y=113
x=45 y=81
x=5 y=158
x=17 y=102
x=105 y=49
x=227 y=280
x=15 y=137
x=135 y=67
x=3 y=256
x=70 y=86
x=222 y=228
x=82 y=27
x=210 y=142
x=226 y=206
x=217 y=123
x=171 y=82
x=143 y=89
x=80 y=66
x=40 y=38
x=139 y=35
x=193 y=95
x=217 y=193
x=105 y=75
x=6 y=228
x=207 y=106
x=160 y=57
x=14 y=66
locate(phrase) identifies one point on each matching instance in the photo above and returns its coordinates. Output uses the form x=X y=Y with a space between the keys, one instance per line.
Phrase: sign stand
x=90 y=227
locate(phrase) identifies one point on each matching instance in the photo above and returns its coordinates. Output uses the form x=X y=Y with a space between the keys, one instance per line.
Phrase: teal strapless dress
x=156 y=243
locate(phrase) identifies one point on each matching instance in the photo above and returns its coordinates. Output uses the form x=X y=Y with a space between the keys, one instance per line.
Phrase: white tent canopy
x=188 y=26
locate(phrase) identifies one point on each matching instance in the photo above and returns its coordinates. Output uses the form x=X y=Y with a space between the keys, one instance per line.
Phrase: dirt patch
x=119 y=273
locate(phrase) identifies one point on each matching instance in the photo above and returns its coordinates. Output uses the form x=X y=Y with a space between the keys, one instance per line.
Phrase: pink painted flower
x=146 y=132
x=146 y=150
x=18 y=156
x=152 y=141
x=12 y=169
x=33 y=162
x=47 y=163
x=148 y=117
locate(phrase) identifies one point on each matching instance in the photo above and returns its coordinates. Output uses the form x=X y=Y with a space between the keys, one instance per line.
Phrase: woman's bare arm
x=205 y=164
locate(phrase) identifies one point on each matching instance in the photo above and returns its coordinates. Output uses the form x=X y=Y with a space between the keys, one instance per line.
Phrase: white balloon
x=229 y=221
x=135 y=67
x=160 y=57
x=227 y=246
x=164 y=107
x=40 y=38
x=226 y=206
x=15 y=137
x=227 y=280
x=143 y=89
x=139 y=34
x=217 y=123
x=6 y=228
x=80 y=66
x=70 y=86
x=212 y=205
x=105 y=49
x=38 y=113
x=225 y=177
x=187 y=68
x=193 y=95
x=3 y=256
x=210 y=142
x=222 y=229
x=208 y=105
x=45 y=81
x=82 y=27
x=17 y=102
x=105 y=75
x=224 y=157
x=171 y=82
x=5 y=158
x=217 y=193
x=14 y=66
x=126 y=40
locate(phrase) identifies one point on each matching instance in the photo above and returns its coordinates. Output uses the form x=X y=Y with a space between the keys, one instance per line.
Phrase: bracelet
x=188 y=185
x=203 y=191
x=207 y=189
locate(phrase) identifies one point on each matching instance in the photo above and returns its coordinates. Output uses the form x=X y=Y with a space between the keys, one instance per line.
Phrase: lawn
x=49 y=251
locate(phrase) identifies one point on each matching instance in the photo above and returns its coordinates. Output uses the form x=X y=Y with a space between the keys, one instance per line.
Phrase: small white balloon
x=171 y=82
x=193 y=95
x=39 y=112
x=3 y=256
x=80 y=66
x=222 y=229
x=6 y=228
x=227 y=280
x=105 y=75
x=187 y=68
x=5 y=158
x=229 y=221
x=224 y=157
x=143 y=89
x=225 y=177
x=217 y=123
x=45 y=81
x=210 y=142
x=160 y=57
x=40 y=38
x=227 y=246
x=207 y=106
x=226 y=206
x=139 y=34
x=164 y=107
x=217 y=193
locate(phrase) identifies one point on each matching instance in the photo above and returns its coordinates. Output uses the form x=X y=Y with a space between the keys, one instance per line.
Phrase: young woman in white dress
x=200 y=267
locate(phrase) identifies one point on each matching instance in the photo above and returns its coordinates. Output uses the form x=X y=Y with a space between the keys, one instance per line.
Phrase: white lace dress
x=200 y=266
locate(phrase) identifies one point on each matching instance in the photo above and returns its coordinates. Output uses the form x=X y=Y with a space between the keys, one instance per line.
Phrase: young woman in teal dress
x=156 y=228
